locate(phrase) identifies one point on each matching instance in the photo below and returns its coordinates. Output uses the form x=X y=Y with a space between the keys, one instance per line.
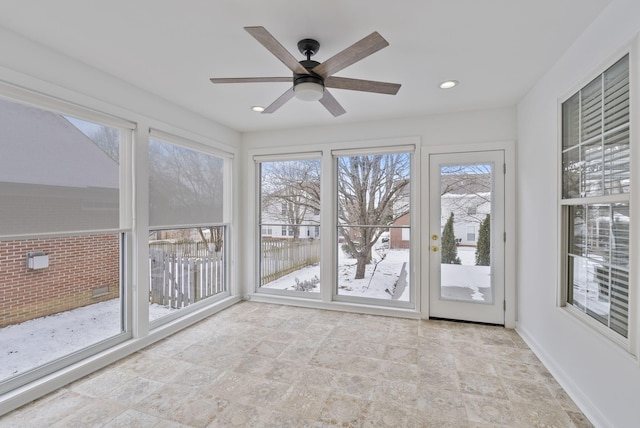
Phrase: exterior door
x=466 y=236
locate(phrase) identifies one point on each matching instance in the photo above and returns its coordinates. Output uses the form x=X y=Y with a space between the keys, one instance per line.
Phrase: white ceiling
x=497 y=49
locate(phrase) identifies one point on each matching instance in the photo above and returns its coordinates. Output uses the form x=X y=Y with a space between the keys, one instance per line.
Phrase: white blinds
x=596 y=136
x=596 y=175
x=55 y=177
x=186 y=187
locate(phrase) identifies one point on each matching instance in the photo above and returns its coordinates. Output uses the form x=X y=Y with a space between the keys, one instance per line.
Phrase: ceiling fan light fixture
x=309 y=91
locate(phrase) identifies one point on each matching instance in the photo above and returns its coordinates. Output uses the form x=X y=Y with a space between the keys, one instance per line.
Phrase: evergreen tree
x=483 y=250
x=449 y=248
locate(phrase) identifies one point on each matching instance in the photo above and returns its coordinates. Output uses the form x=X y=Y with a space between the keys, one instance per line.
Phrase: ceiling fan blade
x=250 y=79
x=268 y=41
x=280 y=101
x=362 y=49
x=332 y=104
x=362 y=85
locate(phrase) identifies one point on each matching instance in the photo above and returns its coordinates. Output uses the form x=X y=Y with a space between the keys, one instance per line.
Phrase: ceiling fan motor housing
x=310 y=86
x=312 y=77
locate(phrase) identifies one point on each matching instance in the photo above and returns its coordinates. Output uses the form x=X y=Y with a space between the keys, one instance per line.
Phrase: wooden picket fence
x=180 y=278
x=283 y=256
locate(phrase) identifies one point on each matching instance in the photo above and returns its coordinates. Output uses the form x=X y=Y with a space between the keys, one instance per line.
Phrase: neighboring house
x=54 y=179
x=469 y=210
x=275 y=225
x=50 y=170
x=399 y=236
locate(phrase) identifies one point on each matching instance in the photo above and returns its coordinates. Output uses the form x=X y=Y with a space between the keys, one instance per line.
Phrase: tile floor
x=261 y=365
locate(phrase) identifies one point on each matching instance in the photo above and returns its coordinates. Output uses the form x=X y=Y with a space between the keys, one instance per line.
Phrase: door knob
x=434 y=249
x=434 y=237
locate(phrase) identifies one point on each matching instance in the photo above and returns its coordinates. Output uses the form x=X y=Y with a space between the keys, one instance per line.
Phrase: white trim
x=156 y=134
x=39 y=100
x=351 y=307
x=583 y=402
x=328 y=270
x=634 y=202
x=390 y=149
x=631 y=344
x=596 y=326
x=510 y=256
x=288 y=156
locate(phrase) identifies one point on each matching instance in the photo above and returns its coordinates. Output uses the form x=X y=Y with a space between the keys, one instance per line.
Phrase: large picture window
x=187 y=237
x=595 y=198
x=373 y=210
x=290 y=224
x=62 y=232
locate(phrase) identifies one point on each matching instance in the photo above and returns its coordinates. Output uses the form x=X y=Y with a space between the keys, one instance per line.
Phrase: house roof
x=40 y=147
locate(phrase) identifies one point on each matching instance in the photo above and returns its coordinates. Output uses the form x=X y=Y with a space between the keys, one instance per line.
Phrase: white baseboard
x=582 y=401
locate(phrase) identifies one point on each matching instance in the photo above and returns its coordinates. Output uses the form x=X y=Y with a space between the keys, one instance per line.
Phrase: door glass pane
x=465 y=241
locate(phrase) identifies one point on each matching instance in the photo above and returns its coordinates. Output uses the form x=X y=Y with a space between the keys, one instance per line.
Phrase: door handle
x=434 y=249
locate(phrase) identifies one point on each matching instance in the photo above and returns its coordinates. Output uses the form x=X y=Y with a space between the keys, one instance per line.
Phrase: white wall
x=463 y=130
x=601 y=377
x=33 y=66
x=465 y=127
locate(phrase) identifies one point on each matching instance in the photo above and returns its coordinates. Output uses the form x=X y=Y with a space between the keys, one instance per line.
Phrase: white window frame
x=328 y=214
x=631 y=342
x=47 y=103
x=166 y=137
x=286 y=230
x=413 y=219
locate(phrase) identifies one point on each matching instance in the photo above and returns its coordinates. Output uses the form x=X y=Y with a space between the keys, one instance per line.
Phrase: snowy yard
x=459 y=282
x=466 y=281
x=374 y=284
x=36 y=342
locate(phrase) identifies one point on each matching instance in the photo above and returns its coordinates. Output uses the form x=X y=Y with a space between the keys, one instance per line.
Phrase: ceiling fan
x=311 y=78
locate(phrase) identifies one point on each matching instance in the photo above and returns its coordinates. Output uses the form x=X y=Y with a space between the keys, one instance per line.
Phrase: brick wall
x=396 y=234
x=82 y=270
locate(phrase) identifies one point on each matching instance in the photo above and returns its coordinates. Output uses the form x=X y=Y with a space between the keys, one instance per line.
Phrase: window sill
x=622 y=343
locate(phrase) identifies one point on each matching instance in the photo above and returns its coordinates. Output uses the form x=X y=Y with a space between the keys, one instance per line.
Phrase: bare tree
x=184 y=177
x=467 y=187
x=291 y=192
x=373 y=191
x=108 y=139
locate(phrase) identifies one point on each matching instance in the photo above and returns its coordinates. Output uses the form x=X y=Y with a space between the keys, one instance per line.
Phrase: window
x=373 y=200
x=64 y=225
x=472 y=210
x=187 y=236
x=595 y=198
x=471 y=234
x=290 y=199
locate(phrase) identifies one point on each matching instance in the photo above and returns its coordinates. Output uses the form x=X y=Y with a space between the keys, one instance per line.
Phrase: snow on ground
x=460 y=282
x=36 y=342
x=466 y=281
x=384 y=278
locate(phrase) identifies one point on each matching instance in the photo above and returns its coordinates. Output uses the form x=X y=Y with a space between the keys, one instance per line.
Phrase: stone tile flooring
x=262 y=365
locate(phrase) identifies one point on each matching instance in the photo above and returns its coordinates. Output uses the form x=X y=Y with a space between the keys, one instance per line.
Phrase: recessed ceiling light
x=257 y=109
x=448 y=84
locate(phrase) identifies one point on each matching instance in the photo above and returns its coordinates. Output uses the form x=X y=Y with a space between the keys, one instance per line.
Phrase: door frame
x=510 y=258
